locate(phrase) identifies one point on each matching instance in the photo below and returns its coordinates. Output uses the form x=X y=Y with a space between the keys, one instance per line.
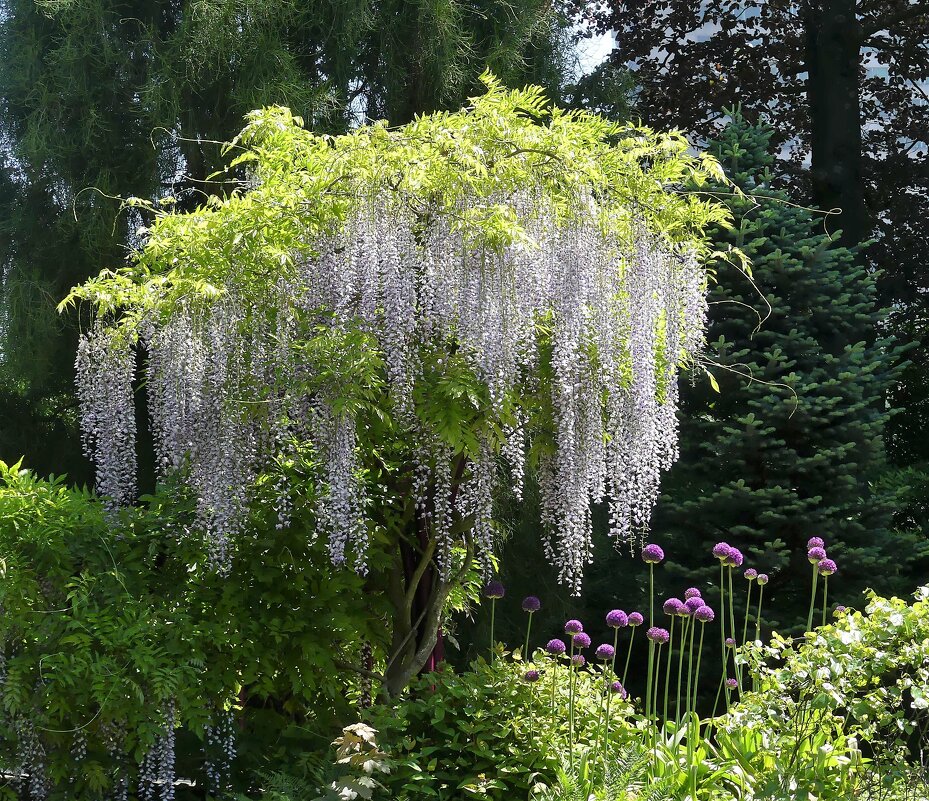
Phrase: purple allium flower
x=673 y=606
x=531 y=604
x=735 y=558
x=531 y=676
x=578 y=660
x=556 y=647
x=839 y=610
x=656 y=634
x=751 y=574
x=705 y=614
x=815 y=542
x=816 y=554
x=617 y=619
x=731 y=684
x=581 y=640
x=605 y=652
x=691 y=592
x=721 y=551
x=494 y=589
x=826 y=567
x=652 y=554
x=617 y=688
x=636 y=619
x=693 y=604
x=730 y=643
x=573 y=627
x=762 y=579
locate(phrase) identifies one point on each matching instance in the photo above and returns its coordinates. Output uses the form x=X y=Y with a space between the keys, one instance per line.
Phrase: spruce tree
x=791 y=446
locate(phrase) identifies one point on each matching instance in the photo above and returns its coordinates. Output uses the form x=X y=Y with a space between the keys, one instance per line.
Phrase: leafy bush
x=486 y=732
x=113 y=633
x=847 y=701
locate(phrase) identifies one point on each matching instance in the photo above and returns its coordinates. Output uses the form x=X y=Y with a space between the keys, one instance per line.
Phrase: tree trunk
x=833 y=41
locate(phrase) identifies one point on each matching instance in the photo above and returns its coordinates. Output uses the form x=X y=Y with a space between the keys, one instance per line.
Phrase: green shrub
x=840 y=708
x=486 y=732
x=111 y=623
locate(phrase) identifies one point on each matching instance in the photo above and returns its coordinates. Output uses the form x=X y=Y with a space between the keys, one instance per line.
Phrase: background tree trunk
x=832 y=45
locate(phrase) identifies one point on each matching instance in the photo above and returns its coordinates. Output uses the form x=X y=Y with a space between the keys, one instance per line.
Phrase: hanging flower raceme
x=544 y=261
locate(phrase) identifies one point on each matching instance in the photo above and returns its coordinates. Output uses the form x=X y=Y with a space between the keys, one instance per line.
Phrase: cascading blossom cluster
x=583 y=306
x=639 y=307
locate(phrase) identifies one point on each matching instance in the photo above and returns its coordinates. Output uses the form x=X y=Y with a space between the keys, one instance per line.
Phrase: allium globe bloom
x=617 y=688
x=693 y=604
x=531 y=676
x=826 y=567
x=730 y=643
x=636 y=619
x=573 y=627
x=556 y=647
x=763 y=579
x=735 y=558
x=691 y=592
x=705 y=614
x=656 y=634
x=751 y=574
x=494 y=589
x=816 y=554
x=673 y=606
x=605 y=652
x=531 y=604
x=721 y=551
x=578 y=660
x=617 y=619
x=731 y=684
x=581 y=640
x=815 y=542
x=839 y=610
x=652 y=554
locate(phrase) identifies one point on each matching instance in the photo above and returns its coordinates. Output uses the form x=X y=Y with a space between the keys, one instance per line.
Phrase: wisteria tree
x=395 y=325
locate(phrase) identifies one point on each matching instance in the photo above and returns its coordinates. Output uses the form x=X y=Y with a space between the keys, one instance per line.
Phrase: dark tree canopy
x=104 y=98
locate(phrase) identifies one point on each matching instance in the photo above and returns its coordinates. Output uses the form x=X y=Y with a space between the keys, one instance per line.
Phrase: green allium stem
x=571 y=708
x=493 y=609
x=628 y=656
x=690 y=665
x=655 y=704
x=719 y=692
x=648 y=682
x=825 y=597
x=722 y=628
x=528 y=629
x=691 y=738
x=667 y=671
x=809 y=617
x=680 y=669
x=697 y=671
x=604 y=700
x=758 y=617
x=554 y=666
x=651 y=595
x=748 y=605
x=735 y=662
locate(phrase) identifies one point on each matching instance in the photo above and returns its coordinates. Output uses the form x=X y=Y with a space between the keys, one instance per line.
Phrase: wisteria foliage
x=574 y=327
